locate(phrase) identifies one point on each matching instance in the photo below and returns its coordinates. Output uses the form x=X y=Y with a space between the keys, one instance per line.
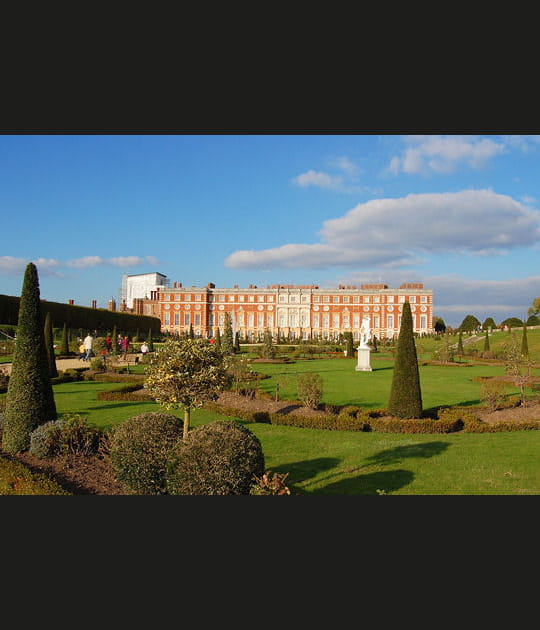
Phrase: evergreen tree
x=149 y=341
x=469 y=323
x=114 y=339
x=486 y=342
x=267 y=350
x=237 y=342
x=524 y=343
x=191 y=335
x=350 y=345
x=218 y=339
x=459 y=350
x=49 y=345
x=64 y=345
x=227 y=342
x=30 y=397
x=405 y=394
x=489 y=322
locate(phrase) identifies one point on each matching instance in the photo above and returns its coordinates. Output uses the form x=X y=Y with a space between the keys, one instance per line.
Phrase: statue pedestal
x=363 y=359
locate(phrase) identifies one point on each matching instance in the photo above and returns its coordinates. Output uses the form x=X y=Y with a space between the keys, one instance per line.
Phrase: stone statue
x=365 y=332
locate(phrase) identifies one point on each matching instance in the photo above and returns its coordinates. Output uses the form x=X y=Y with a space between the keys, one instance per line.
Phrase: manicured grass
x=342 y=384
x=354 y=463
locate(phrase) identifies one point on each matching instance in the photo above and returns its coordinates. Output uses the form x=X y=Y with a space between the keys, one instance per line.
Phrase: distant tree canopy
x=533 y=320
x=535 y=308
x=489 y=322
x=439 y=325
x=512 y=322
x=79 y=316
x=469 y=323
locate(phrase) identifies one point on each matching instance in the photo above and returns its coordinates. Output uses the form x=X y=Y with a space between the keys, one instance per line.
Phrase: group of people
x=122 y=347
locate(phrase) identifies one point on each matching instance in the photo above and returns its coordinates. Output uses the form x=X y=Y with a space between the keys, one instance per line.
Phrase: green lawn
x=342 y=384
x=353 y=463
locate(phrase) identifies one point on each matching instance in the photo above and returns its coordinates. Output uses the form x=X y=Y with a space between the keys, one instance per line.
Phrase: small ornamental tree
x=486 y=342
x=49 y=345
x=227 y=342
x=64 y=344
x=489 y=322
x=114 y=340
x=217 y=343
x=30 y=397
x=149 y=341
x=184 y=374
x=405 y=394
x=190 y=334
x=237 y=342
x=439 y=325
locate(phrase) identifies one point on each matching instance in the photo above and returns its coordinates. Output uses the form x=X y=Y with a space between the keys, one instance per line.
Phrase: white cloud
x=85 y=262
x=395 y=232
x=444 y=154
x=118 y=261
x=319 y=179
x=11 y=265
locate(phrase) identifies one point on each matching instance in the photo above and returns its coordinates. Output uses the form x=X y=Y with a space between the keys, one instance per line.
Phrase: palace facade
x=291 y=311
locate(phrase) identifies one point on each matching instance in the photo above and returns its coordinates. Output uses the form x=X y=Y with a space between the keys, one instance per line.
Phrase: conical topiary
x=459 y=350
x=524 y=343
x=149 y=341
x=486 y=342
x=350 y=345
x=30 y=397
x=237 y=342
x=405 y=395
x=49 y=345
x=64 y=345
x=227 y=343
x=218 y=339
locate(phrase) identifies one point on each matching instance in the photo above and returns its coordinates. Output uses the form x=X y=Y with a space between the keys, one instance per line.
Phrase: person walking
x=82 y=351
x=125 y=347
x=88 y=340
x=144 y=349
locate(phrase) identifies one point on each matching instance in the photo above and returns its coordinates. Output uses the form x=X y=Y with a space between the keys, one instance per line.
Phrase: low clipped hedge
x=68 y=376
x=17 y=479
x=125 y=392
x=105 y=377
x=352 y=418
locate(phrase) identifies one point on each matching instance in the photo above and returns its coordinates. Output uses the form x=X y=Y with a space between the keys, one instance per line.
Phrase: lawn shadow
x=368 y=484
x=301 y=471
x=396 y=455
x=120 y=404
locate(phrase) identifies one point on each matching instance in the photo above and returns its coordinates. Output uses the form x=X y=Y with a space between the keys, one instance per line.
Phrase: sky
x=459 y=213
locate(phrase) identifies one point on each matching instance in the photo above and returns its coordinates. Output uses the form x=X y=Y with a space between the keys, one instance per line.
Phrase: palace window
x=316 y=298
x=389 y=321
x=345 y=321
x=177 y=319
x=261 y=298
x=356 y=298
x=326 y=298
x=260 y=320
x=356 y=321
x=346 y=299
x=197 y=319
x=187 y=319
x=336 y=299
x=250 y=319
x=231 y=298
x=251 y=298
x=166 y=319
x=423 y=298
x=197 y=298
x=315 y=321
x=423 y=321
x=335 y=323
x=270 y=319
x=326 y=321
x=221 y=298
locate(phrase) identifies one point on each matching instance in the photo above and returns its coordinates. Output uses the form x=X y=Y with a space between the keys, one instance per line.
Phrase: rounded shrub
x=221 y=457
x=139 y=449
x=45 y=439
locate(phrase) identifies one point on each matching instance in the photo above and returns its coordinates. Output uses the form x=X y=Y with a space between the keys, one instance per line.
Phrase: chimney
x=71 y=302
x=94 y=303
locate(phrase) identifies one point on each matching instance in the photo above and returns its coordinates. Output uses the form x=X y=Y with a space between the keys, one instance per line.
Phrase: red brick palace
x=296 y=312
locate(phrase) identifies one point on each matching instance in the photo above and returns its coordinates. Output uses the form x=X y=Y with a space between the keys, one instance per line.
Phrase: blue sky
x=456 y=212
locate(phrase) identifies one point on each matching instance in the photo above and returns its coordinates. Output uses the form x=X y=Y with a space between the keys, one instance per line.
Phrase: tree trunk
x=187 y=415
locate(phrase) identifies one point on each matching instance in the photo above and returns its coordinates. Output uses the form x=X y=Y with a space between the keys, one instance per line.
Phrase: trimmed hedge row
x=17 y=479
x=449 y=420
x=125 y=392
x=105 y=377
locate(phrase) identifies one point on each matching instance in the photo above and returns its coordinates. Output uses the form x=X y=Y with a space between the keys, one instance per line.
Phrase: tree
x=49 y=345
x=237 y=342
x=114 y=340
x=217 y=343
x=489 y=322
x=405 y=394
x=524 y=343
x=533 y=320
x=511 y=322
x=459 y=350
x=439 y=325
x=149 y=341
x=350 y=345
x=184 y=374
x=470 y=323
x=190 y=334
x=64 y=345
x=30 y=397
x=486 y=342
x=227 y=343
x=535 y=308
x=267 y=350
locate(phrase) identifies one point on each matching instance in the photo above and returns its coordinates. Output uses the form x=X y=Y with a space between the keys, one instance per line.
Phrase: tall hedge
x=81 y=316
x=30 y=397
x=64 y=345
x=49 y=345
x=405 y=395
